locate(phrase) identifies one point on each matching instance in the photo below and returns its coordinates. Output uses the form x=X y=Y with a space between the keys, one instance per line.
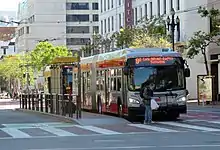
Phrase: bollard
x=37 y=102
x=46 y=103
x=57 y=104
x=26 y=101
x=41 y=103
x=63 y=105
x=32 y=101
x=51 y=104
x=29 y=101
x=22 y=98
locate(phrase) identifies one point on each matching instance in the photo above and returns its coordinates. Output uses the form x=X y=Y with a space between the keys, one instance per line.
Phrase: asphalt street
x=198 y=130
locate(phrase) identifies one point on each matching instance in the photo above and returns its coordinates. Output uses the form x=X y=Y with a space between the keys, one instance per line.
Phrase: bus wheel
x=120 y=113
x=99 y=105
x=172 y=115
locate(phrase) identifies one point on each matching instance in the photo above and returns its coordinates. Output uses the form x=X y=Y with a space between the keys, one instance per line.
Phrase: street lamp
x=173 y=23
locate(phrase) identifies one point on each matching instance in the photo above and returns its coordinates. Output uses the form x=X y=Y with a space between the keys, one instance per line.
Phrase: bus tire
x=173 y=115
x=119 y=104
x=99 y=107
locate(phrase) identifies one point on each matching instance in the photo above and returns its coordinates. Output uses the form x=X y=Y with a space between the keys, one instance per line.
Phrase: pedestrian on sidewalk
x=147 y=93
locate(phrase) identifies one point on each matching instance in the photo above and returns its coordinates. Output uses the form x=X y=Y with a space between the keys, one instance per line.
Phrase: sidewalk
x=195 y=103
x=87 y=118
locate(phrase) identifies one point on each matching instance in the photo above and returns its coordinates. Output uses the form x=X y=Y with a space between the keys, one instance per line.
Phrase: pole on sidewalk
x=79 y=113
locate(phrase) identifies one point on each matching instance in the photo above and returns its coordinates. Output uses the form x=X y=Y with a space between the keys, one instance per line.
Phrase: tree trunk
x=206 y=62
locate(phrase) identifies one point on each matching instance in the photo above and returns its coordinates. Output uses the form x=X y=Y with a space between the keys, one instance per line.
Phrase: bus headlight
x=182 y=99
x=134 y=101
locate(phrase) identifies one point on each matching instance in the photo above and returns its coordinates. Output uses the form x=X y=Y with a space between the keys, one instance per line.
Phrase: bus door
x=107 y=89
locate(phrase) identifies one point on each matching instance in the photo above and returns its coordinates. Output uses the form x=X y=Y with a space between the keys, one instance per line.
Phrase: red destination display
x=153 y=60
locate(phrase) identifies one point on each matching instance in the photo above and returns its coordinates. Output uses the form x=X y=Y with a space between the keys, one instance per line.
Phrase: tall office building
x=62 y=22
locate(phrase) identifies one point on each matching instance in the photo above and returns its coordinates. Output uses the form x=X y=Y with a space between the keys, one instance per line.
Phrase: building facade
x=61 y=22
x=115 y=14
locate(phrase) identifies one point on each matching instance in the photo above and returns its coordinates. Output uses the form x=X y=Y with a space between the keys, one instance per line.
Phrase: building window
x=101 y=27
x=77 y=6
x=119 y=20
x=109 y=27
x=171 y=4
x=77 y=18
x=135 y=13
x=178 y=5
x=108 y=4
x=95 y=6
x=119 y=2
x=112 y=3
x=77 y=41
x=104 y=5
x=105 y=25
x=151 y=10
x=112 y=23
x=158 y=7
x=95 y=17
x=145 y=10
x=164 y=6
x=141 y=15
x=27 y=30
x=96 y=29
x=77 y=29
x=101 y=6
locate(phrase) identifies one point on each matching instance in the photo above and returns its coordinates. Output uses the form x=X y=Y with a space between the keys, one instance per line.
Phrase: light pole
x=173 y=23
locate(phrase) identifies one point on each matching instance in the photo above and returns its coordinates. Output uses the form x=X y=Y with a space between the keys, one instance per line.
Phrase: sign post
x=204 y=87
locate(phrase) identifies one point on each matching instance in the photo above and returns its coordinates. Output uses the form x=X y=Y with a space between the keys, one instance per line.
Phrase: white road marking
x=98 y=130
x=57 y=132
x=132 y=147
x=15 y=133
x=190 y=126
x=154 y=128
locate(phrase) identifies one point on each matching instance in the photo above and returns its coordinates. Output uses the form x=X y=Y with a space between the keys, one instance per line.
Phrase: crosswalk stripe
x=98 y=130
x=189 y=126
x=154 y=128
x=57 y=132
x=215 y=122
x=15 y=133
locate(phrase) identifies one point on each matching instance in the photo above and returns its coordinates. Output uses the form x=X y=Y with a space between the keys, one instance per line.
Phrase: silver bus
x=111 y=81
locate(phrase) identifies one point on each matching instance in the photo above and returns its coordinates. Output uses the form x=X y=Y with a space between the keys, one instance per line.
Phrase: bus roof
x=130 y=53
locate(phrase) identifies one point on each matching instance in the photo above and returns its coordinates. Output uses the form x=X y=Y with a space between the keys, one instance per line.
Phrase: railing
x=58 y=104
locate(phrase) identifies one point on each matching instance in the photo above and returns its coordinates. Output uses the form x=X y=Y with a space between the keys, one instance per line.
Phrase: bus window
x=119 y=84
x=114 y=85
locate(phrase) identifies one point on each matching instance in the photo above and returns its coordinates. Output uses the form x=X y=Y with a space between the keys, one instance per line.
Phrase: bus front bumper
x=139 y=111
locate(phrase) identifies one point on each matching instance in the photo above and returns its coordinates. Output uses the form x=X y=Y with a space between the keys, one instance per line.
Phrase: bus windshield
x=160 y=78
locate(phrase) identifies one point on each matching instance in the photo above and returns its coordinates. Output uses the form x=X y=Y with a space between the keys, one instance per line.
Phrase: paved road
x=197 y=130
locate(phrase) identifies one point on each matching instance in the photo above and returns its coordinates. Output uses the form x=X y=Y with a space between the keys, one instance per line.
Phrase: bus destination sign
x=153 y=60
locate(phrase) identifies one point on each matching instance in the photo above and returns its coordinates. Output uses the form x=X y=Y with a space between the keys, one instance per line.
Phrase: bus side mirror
x=126 y=70
x=187 y=72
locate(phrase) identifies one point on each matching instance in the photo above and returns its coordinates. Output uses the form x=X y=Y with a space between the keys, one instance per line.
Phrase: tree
x=124 y=37
x=11 y=70
x=146 y=41
x=202 y=40
x=149 y=33
x=44 y=53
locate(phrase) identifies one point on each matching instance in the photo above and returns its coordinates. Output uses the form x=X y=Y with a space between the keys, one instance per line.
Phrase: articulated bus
x=111 y=81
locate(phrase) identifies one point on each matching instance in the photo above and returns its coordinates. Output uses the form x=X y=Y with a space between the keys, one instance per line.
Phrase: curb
x=61 y=118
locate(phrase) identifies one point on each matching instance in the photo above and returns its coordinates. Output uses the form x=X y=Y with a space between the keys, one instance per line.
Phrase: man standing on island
x=147 y=93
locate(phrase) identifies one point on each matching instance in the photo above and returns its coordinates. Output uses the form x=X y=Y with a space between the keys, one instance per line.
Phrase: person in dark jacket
x=147 y=93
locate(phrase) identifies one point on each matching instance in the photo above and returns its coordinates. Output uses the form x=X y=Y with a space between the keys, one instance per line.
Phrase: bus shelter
x=58 y=77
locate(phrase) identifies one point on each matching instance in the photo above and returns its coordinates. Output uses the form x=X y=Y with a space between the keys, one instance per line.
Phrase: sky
x=9 y=5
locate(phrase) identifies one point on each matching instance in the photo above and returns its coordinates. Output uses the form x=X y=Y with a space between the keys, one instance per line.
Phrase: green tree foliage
x=149 y=33
x=201 y=40
x=124 y=37
x=44 y=53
